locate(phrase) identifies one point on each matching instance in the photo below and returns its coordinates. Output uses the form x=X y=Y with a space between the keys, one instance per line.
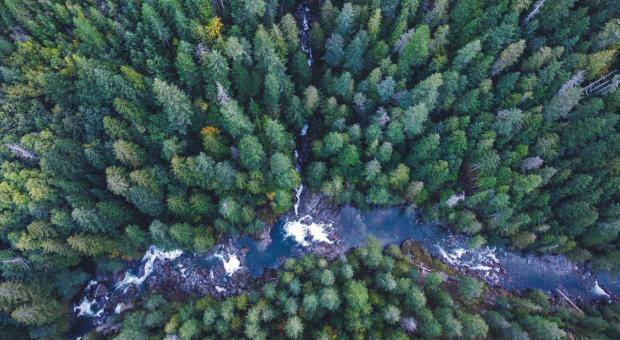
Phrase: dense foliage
x=130 y=122
x=367 y=295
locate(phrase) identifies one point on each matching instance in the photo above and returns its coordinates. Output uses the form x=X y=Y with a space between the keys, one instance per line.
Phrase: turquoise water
x=498 y=266
x=351 y=228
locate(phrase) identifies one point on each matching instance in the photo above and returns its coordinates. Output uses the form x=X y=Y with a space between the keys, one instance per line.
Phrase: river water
x=498 y=266
x=232 y=265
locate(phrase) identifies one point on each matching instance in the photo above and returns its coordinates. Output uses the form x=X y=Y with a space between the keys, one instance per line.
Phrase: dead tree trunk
x=534 y=11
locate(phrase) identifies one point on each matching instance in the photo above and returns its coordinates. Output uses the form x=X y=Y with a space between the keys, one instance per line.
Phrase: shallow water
x=351 y=228
x=511 y=270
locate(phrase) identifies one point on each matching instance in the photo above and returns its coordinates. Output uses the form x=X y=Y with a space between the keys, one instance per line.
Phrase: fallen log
x=569 y=300
x=423 y=268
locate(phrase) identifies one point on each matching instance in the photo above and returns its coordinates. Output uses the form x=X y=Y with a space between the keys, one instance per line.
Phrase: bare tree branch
x=604 y=84
x=22 y=152
x=19 y=261
x=569 y=300
x=534 y=11
x=402 y=41
x=574 y=81
x=222 y=94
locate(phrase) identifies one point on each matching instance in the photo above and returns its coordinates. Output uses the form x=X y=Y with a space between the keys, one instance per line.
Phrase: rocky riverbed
x=222 y=272
x=319 y=227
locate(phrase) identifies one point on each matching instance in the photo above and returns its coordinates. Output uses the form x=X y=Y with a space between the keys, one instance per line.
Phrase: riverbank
x=412 y=253
x=321 y=228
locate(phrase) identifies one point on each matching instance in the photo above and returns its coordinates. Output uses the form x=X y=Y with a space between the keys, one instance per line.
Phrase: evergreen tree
x=508 y=57
x=251 y=152
x=334 y=50
x=175 y=105
x=415 y=50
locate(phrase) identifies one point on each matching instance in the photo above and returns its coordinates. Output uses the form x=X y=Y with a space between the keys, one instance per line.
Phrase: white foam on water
x=231 y=262
x=491 y=255
x=318 y=233
x=301 y=231
x=300 y=188
x=220 y=289
x=298 y=192
x=297 y=165
x=306 y=28
x=117 y=309
x=149 y=259
x=451 y=258
x=90 y=284
x=85 y=308
x=304 y=23
x=598 y=291
x=459 y=252
x=297 y=231
x=443 y=253
x=482 y=260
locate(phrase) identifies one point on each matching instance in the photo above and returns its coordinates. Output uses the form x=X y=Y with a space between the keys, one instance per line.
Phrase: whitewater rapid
x=153 y=254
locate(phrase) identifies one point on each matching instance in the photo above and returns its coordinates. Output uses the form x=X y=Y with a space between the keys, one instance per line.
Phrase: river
x=329 y=231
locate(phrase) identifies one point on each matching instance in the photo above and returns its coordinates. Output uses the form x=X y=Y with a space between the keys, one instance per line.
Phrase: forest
x=369 y=295
x=129 y=123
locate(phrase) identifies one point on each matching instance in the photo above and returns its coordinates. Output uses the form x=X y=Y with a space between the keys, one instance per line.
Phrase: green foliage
x=469 y=289
x=174 y=123
x=294 y=327
x=334 y=50
x=175 y=105
x=251 y=153
x=415 y=51
x=460 y=307
x=508 y=57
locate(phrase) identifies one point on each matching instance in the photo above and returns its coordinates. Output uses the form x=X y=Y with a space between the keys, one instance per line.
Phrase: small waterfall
x=85 y=308
x=300 y=188
x=231 y=262
x=599 y=291
x=301 y=232
x=221 y=272
x=298 y=192
x=296 y=229
x=305 y=33
x=304 y=38
x=297 y=165
x=482 y=260
x=149 y=259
